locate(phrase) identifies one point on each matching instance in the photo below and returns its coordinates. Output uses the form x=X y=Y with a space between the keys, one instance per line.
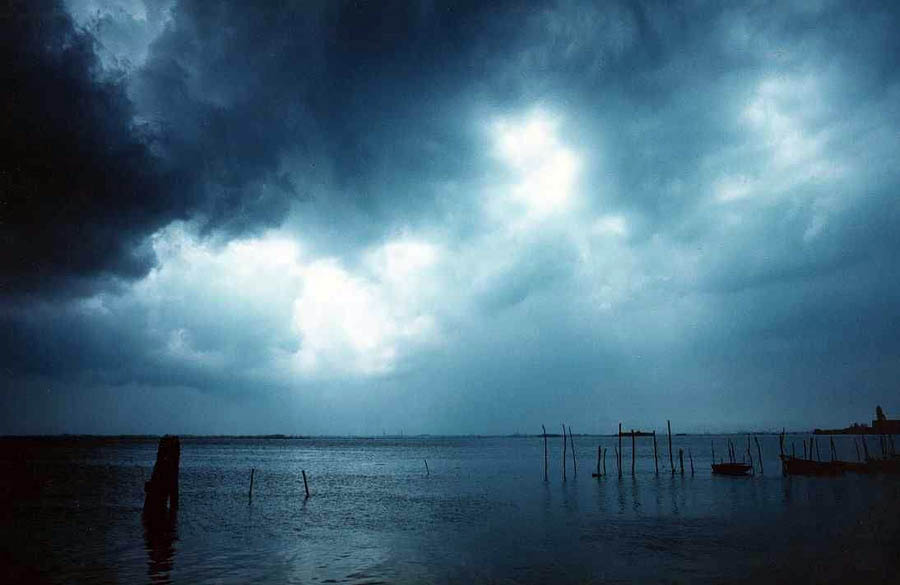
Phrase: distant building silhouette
x=883 y=425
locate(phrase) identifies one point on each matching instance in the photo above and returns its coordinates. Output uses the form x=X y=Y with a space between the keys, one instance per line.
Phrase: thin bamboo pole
x=759 y=454
x=671 y=463
x=632 y=452
x=564 y=452
x=574 y=460
x=546 y=460
x=655 y=457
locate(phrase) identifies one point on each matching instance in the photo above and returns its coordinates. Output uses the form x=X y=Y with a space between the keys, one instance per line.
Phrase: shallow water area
x=480 y=513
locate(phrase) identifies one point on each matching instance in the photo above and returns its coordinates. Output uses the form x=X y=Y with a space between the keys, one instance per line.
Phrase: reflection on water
x=159 y=541
x=484 y=514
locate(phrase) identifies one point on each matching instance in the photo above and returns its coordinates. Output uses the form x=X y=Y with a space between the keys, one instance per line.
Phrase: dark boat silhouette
x=731 y=468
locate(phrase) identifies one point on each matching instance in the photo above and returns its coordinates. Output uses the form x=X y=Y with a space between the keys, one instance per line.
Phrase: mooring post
x=655 y=458
x=856 y=445
x=750 y=454
x=546 y=460
x=681 y=459
x=671 y=463
x=618 y=461
x=599 y=453
x=161 y=492
x=804 y=449
x=574 y=460
x=604 y=461
x=305 y=484
x=632 y=451
x=759 y=454
x=712 y=447
x=781 y=443
x=427 y=471
x=691 y=457
x=833 y=450
x=865 y=446
x=250 y=497
x=818 y=455
x=564 y=452
x=619 y=452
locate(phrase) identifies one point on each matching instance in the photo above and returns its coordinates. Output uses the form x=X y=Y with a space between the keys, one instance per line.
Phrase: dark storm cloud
x=731 y=245
x=81 y=189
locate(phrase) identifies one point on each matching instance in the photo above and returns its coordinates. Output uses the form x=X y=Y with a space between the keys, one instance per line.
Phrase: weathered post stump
x=161 y=492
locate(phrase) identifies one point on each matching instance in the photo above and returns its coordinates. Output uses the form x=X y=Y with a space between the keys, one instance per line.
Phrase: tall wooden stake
x=599 y=453
x=632 y=451
x=712 y=447
x=818 y=455
x=833 y=450
x=250 y=496
x=856 y=445
x=619 y=452
x=305 y=484
x=759 y=455
x=545 y=452
x=427 y=471
x=865 y=446
x=671 y=462
x=655 y=458
x=691 y=457
x=574 y=460
x=604 y=461
x=618 y=461
x=564 y=452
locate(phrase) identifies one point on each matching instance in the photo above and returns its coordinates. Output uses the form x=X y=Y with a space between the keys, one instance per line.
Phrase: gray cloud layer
x=449 y=218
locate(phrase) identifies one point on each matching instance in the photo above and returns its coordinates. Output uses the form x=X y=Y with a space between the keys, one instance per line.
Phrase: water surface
x=71 y=512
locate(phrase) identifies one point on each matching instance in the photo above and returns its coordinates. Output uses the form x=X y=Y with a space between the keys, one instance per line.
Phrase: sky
x=448 y=218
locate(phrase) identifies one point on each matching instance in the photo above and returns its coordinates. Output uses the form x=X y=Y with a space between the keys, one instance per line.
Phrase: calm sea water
x=71 y=513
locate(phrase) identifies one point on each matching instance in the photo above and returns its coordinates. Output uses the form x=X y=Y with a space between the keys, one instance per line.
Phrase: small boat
x=731 y=468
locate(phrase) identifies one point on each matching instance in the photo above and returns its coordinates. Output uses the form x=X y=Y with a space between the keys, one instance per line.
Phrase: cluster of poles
x=568 y=441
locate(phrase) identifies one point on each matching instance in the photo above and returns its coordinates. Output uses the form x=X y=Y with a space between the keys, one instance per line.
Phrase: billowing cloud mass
x=341 y=217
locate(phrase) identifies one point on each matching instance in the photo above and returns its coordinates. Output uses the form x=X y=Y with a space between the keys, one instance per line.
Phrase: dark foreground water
x=71 y=513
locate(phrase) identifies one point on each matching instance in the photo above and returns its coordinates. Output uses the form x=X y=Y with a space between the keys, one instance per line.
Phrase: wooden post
x=804 y=448
x=671 y=463
x=691 y=457
x=619 y=452
x=161 y=492
x=305 y=484
x=632 y=451
x=781 y=443
x=604 y=460
x=681 y=459
x=712 y=447
x=818 y=455
x=865 y=446
x=599 y=453
x=618 y=462
x=574 y=460
x=759 y=454
x=833 y=450
x=564 y=452
x=250 y=497
x=427 y=471
x=655 y=458
x=856 y=445
x=750 y=454
x=545 y=451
